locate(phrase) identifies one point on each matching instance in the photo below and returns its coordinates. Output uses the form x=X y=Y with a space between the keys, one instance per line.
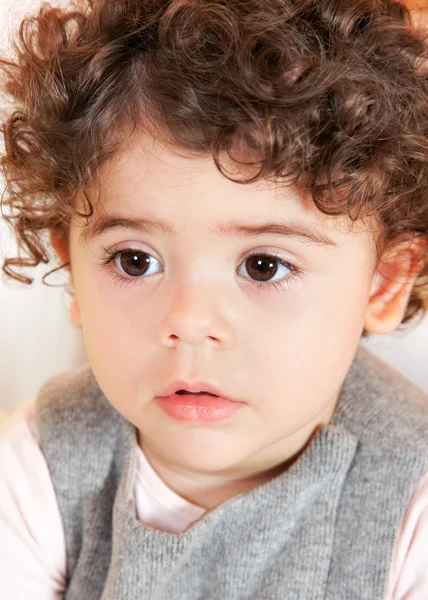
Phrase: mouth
x=205 y=407
x=183 y=392
x=194 y=389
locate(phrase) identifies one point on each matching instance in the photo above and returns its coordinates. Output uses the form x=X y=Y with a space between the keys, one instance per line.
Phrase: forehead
x=149 y=181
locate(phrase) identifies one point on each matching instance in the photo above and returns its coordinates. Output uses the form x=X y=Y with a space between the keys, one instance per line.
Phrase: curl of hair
x=329 y=94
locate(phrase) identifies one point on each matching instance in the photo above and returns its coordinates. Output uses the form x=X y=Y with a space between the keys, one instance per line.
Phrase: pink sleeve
x=408 y=578
x=32 y=545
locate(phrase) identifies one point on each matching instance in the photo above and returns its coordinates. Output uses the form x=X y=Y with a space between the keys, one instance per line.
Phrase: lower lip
x=206 y=409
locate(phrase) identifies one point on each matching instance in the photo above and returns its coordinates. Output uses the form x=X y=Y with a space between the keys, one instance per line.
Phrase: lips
x=206 y=388
x=180 y=392
x=199 y=408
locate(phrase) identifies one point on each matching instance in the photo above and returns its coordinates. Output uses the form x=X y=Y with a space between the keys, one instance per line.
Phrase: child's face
x=199 y=315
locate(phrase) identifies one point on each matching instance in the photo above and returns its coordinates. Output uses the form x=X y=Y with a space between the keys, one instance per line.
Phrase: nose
x=194 y=316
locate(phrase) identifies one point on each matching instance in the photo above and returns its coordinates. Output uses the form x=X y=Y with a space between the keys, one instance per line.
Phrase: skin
x=419 y=11
x=198 y=314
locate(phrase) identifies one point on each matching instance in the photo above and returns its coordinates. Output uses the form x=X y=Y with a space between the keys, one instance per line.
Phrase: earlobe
x=75 y=313
x=59 y=246
x=392 y=285
x=63 y=253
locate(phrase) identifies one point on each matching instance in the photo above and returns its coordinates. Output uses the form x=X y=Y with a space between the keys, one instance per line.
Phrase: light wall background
x=38 y=338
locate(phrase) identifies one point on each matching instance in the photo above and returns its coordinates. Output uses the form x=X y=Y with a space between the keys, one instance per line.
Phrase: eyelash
x=119 y=279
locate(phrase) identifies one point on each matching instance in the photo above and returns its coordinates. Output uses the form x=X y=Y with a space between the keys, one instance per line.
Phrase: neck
x=209 y=491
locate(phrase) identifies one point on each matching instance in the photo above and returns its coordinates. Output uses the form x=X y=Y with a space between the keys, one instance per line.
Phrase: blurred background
x=38 y=338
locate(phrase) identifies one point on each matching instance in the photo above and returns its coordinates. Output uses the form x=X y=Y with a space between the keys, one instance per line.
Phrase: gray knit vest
x=323 y=529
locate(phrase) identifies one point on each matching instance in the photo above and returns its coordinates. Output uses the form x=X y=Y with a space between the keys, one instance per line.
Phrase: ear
x=75 y=312
x=61 y=248
x=392 y=285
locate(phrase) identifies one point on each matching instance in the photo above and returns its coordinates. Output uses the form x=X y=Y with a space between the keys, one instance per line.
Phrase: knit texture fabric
x=324 y=529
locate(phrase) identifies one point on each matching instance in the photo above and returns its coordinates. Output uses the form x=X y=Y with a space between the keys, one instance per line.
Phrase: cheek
x=294 y=379
x=306 y=348
x=345 y=304
x=116 y=344
x=335 y=301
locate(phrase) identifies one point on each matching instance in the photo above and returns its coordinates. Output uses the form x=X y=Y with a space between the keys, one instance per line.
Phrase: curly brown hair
x=329 y=94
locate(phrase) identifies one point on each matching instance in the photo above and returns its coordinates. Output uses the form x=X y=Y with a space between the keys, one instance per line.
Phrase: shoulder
x=378 y=400
x=70 y=403
x=85 y=442
x=68 y=388
x=18 y=435
x=408 y=577
x=81 y=436
x=30 y=522
x=21 y=458
x=388 y=416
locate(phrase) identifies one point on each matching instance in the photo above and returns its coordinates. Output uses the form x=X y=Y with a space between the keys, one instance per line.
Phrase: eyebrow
x=295 y=229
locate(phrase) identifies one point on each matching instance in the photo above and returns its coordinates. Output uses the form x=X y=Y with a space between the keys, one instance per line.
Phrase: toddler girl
x=265 y=164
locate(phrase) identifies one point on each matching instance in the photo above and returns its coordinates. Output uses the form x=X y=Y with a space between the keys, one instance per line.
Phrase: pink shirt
x=32 y=546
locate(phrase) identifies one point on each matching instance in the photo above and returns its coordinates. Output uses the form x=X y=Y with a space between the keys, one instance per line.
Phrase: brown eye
x=133 y=262
x=261 y=267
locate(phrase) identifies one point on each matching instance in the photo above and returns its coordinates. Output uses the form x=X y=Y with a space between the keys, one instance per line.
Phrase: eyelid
x=273 y=251
x=276 y=252
x=128 y=246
